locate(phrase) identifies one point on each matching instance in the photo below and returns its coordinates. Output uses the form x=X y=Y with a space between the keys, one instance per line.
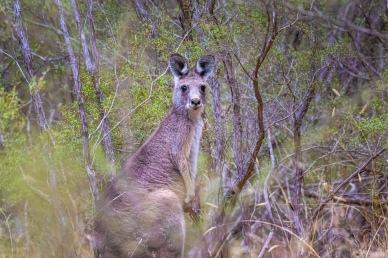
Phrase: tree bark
x=105 y=127
x=141 y=9
x=227 y=60
x=186 y=17
x=27 y=59
x=92 y=67
x=238 y=146
x=296 y=181
x=218 y=150
x=80 y=100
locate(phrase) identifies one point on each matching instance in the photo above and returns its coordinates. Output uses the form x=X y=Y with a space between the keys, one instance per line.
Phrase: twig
x=266 y=244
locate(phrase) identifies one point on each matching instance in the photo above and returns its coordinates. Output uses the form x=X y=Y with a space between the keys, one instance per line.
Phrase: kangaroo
x=142 y=212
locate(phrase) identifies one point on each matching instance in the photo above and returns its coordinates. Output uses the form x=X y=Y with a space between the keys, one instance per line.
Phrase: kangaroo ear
x=205 y=66
x=178 y=65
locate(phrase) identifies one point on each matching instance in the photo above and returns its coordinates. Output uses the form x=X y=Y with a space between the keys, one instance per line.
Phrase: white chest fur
x=195 y=147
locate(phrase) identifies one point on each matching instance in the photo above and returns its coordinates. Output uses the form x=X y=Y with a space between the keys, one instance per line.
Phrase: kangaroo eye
x=183 y=88
x=203 y=88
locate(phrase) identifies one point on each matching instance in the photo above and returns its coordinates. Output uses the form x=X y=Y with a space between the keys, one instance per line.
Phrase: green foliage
x=217 y=32
x=372 y=125
x=69 y=124
x=151 y=104
x=11 y=121
x=9 y=106
x=164 y=43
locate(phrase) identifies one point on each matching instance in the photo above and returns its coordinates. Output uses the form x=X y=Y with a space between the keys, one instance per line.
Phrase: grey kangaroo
x=142 y=212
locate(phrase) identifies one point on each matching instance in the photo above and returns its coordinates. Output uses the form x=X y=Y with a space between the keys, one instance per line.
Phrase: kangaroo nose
x=195 y=102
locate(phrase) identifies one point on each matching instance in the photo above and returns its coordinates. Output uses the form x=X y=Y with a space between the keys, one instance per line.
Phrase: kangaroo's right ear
x=179 y=66
x=205 y=66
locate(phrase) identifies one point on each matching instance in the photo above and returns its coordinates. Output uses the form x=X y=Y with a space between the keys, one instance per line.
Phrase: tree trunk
x=105 y=128
x=218 y=151
x=238 y=150
x=141 y=9
x=297 y=179
x=186 y=17
x=92 y=67
x=80 y=100
x=27 y=59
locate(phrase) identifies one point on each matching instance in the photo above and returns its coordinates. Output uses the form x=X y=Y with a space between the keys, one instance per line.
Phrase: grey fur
x=141 y=214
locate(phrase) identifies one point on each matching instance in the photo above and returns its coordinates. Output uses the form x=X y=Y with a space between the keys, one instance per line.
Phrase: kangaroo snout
x=195 y=102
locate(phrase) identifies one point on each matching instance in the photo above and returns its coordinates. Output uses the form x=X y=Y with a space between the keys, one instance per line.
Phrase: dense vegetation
x=292 y=160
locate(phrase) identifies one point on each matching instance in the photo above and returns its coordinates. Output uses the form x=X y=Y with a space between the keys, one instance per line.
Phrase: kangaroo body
x=142 y=213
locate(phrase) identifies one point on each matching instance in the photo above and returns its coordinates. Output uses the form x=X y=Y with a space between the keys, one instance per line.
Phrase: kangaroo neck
x=189 y=116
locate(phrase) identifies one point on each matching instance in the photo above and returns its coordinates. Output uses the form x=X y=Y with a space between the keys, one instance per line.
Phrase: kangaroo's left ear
x=205 y=66
x=178 y=66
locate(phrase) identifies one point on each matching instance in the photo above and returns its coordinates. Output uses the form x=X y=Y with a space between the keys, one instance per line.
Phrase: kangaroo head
x=190 y=85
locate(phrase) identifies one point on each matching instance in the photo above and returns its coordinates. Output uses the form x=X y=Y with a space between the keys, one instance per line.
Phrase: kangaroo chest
x=192 y=148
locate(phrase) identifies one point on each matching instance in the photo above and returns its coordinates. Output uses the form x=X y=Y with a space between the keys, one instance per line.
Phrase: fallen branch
x=344 y=199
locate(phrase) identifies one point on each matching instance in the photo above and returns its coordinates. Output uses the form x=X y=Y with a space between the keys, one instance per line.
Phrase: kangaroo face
x=191 y=93
x=190 y=85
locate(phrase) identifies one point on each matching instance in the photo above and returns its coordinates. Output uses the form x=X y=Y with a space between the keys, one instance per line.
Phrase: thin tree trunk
x=84 y=45
x=186 y=17
x=237 y=148
x=227 y=60
x=218 y=150
x=80 y=100
x=141 y=9
x=92 y=67
x=27 y=59
x=297 y=179
x=144 y=14
x=105 y=128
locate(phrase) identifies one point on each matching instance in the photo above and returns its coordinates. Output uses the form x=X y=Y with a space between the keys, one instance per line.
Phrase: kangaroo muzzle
x=195 y=103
